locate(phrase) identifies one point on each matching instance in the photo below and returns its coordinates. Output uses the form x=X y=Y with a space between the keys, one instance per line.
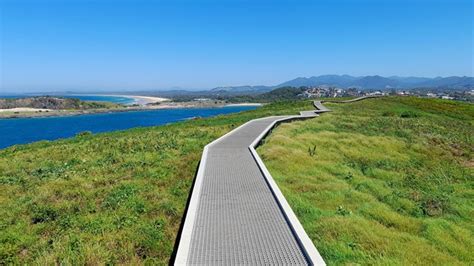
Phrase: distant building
x=447 y=97
x=353 y=92
x=403 y=93
x=376 y=93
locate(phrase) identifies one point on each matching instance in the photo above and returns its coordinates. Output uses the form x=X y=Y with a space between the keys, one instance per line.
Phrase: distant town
x=324 y=91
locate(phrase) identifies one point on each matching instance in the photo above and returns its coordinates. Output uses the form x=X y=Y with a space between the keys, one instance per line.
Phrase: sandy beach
x=142 y=100
x=25 y=109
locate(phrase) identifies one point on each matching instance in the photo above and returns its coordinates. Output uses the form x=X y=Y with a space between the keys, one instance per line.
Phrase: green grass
x=381 y=181
x=112 y=198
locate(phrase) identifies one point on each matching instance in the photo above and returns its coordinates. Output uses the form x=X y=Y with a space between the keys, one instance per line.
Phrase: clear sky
x=142 y=45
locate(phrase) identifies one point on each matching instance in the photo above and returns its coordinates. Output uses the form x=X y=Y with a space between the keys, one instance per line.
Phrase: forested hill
x=280 y=94
x=55 y=103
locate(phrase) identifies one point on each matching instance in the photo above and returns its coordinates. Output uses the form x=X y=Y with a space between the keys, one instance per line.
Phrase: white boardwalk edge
x=307 y=244
x=185 y=240
x=307 y=247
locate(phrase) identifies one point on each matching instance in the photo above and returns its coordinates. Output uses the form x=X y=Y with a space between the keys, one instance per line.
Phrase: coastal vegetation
x=46 y=106
x=279 y=94
x=381 y=181
x=111 y=198
x=53 y=103
x=42 y=106
x=266 y=96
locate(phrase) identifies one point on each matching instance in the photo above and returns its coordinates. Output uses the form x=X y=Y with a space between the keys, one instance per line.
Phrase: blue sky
x=143 y=45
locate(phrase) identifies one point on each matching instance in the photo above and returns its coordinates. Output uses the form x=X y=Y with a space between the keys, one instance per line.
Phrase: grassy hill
x=279 y=94
x=54 y=103
x=381 y=181
x=106 y=198
x=390 y=182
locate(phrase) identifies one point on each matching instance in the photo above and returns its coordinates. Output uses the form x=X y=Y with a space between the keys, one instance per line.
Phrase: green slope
x=390 y=182
x=55 y=103
x=107 y=198
x=381 y=181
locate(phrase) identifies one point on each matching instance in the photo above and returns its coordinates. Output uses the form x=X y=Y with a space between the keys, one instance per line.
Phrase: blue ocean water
x=102 y=98
x=26 y=130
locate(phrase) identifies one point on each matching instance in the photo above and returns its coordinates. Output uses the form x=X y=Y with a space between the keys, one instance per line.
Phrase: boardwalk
x=237 y=214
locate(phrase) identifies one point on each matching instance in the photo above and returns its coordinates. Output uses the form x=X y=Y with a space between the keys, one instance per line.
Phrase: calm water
x=102 y=98
x=26 y=130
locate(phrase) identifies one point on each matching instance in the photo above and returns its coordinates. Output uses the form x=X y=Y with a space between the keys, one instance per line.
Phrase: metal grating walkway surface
x=237 y=215
x=238 y=220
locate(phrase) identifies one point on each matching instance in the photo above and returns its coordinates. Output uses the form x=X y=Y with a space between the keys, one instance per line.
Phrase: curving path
x=237 y=214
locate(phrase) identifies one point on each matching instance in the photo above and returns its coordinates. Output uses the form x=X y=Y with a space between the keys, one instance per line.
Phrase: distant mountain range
x=342 y=81
x=362 y=82
x=379 y=82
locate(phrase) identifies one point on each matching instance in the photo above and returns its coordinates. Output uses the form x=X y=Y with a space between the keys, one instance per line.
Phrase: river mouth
x=27 y=130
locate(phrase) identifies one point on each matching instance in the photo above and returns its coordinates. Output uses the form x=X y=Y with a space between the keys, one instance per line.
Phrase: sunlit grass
x=112 y=198
x=390 y=180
